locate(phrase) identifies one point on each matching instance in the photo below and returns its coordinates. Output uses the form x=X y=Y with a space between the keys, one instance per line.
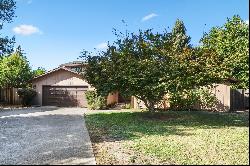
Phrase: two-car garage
x=64 y=96
x=60 y=87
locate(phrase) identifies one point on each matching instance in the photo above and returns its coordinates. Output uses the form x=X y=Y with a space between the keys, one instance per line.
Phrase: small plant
x=26 y=95
x=126 y=106
x=95 y=101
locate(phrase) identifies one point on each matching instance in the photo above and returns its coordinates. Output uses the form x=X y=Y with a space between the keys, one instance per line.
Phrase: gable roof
x=54 y=70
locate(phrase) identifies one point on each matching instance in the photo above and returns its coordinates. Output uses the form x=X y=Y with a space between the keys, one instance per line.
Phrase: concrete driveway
x=44 y=135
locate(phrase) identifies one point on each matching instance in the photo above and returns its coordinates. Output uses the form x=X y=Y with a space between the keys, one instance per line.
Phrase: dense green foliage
x=169 y=138
x=26 y=95
x=188 y=99
x=7 y=12
x=149 y=65
x=95 y=101
x=15 y=70
x=230 y=43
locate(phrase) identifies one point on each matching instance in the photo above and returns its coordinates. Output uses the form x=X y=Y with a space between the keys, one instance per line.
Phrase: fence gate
x=239 y=99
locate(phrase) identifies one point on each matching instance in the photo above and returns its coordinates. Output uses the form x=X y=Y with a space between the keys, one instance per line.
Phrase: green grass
x=176 y=137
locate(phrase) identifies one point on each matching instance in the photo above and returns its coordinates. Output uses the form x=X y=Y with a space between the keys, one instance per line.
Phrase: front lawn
x=169 y=138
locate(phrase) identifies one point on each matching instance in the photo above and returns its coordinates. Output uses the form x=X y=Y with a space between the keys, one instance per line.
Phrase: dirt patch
x=109 y=151
x=117 y=153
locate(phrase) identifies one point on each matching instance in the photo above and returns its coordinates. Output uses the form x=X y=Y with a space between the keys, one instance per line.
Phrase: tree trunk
x=150 y=105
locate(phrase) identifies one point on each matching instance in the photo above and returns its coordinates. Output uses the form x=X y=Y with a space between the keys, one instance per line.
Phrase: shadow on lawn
x=132 y=125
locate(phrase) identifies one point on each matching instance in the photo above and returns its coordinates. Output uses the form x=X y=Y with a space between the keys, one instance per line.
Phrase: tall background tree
x=39 y=71
x=179 y=36
x=230 y=44
x=15 y=71
x=7 y=13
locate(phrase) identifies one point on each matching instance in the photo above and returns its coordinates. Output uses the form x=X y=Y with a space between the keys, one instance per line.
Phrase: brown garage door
x=64 y=96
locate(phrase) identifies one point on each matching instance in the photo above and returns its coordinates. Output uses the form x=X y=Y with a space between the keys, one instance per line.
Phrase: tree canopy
x=15 y=70
x=230 y=43
x=149 y=65
x=7 y=13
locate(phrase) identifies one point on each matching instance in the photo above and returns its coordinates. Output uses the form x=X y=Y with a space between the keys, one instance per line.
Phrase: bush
x=95 y=101
x=207 y=100
x=183 y=100
x=26 y=95
x=189 y=98
x=126 y=106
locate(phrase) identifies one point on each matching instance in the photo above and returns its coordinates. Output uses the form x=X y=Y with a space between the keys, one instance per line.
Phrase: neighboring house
x=65 y=87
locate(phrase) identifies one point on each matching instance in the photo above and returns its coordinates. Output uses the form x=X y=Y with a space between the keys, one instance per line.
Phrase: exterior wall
x=137 y=103
x=57 y=78
x=112 y=98
x=222 y=93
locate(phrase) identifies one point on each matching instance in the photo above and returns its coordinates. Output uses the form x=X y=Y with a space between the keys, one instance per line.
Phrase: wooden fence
x=9 y=96
x=239 y=99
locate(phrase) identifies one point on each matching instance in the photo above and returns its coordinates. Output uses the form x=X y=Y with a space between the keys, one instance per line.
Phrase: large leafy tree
x=7 y=12
x=149 y=65
x=15 y=70
x=230 y=44
x=134 y=65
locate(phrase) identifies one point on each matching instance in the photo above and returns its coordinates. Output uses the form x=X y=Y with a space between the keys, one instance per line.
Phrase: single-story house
x=65 y=87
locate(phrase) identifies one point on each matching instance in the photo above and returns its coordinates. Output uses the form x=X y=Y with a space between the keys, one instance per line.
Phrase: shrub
x=26 y=95
x=189 y=98
x=95 y=101
x=126 y=106
x=183 y=100
x=207 y=100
